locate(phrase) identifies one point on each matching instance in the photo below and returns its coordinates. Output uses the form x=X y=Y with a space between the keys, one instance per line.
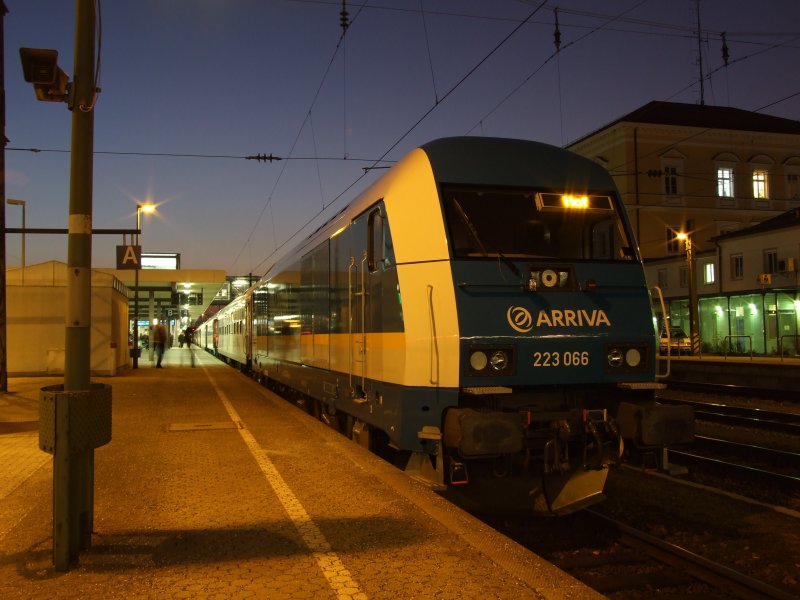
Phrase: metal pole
x=136 y=297
x=73 y=476
x=3 y=359
x=694 y=330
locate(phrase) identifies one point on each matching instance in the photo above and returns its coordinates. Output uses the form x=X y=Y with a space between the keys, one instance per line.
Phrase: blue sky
x=191 y=86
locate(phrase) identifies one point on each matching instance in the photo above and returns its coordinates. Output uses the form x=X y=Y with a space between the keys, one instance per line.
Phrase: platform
x=213 y=487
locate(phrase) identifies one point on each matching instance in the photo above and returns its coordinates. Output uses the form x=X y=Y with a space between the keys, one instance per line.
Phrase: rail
x=727 y=339
x=704 y=569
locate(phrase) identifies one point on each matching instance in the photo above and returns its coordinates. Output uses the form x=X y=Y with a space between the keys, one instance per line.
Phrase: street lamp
x=694 y=331
x=21 y=203
x=140 y=208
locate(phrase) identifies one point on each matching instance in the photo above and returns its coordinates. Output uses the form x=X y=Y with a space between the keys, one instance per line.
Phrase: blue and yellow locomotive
x=481 y=311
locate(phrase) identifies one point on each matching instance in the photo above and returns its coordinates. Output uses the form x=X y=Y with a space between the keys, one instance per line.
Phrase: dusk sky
x=191 y=87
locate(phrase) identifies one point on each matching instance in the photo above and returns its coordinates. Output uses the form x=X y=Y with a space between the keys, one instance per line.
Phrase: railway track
x=752 y=450
x=675 y=569
x=621 y=561
x=729 y=390
x=758 y=418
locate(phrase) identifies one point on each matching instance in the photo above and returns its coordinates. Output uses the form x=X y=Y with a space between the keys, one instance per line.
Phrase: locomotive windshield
x=487 y=222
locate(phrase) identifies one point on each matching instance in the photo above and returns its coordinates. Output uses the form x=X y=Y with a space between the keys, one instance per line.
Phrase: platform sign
x=129 y=257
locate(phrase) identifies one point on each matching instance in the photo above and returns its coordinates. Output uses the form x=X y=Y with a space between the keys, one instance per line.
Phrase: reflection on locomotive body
x=479 y=314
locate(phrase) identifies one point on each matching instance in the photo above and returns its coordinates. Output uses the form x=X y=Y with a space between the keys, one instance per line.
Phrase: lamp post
x=694 y=331
x=21 y=203
x=140 y=208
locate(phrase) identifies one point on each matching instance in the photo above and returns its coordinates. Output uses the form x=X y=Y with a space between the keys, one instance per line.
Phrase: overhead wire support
x=557 y=33
x=725 y=53
x=344 y=18
x=264 y=157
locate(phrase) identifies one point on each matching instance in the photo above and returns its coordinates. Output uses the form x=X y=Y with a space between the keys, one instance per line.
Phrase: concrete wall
x=36 y=316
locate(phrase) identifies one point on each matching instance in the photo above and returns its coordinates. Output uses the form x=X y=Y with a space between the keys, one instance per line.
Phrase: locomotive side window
x=508 y=223
x=375 y=248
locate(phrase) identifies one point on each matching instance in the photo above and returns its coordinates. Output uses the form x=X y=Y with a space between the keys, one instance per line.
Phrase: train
x=479 y=314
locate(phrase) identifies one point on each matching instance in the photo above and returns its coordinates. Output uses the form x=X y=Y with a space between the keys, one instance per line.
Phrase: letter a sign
x=129 y=257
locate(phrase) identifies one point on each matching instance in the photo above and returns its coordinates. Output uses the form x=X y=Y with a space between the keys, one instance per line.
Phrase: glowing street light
x=694 y=331
x=21 y=203
x=140 y=208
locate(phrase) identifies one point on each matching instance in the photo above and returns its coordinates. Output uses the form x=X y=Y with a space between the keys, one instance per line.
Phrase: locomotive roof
x=500 y=161
x=476 y=161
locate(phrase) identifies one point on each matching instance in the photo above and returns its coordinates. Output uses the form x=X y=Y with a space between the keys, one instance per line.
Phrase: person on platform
x=159 y=341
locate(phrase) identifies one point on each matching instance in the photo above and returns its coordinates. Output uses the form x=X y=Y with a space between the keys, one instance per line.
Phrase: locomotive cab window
x=508 y=223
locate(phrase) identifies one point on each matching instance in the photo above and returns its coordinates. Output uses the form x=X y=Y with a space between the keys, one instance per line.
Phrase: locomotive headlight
x=499 y=360
x=478 y=360
x=633 y=357
x=615 y=357
x=491 y=361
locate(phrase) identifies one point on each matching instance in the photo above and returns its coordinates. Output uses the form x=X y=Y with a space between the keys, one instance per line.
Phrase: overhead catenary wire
x=406 y=133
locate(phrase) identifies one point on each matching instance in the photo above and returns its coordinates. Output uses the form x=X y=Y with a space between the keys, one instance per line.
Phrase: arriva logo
x=522 y=320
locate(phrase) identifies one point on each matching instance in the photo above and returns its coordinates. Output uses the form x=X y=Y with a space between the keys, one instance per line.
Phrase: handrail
x=434 y=379
x=350 y=268
x=364 y=323
x=726 y=340
x=780 y=343
x=669 y=346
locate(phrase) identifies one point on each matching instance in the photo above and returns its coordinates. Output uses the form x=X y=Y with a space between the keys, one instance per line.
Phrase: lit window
x=708 y=273
x=760 y=189
x=725 y=182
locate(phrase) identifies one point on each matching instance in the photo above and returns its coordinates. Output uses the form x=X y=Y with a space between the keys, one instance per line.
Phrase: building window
x=725 y=182
x=708 y=273
x=760 y=189
x=737 y=266
x=673 y=243
x=671 y=181
x=683 y=277
x=662 y=279
x=771 y=261
x=793 y=185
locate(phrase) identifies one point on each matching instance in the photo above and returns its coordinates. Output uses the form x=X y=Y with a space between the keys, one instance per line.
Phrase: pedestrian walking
x=159 y=341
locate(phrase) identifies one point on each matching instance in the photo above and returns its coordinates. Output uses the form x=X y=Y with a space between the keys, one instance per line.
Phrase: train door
x=363 y=300
x=357 y=300
x=376 y=303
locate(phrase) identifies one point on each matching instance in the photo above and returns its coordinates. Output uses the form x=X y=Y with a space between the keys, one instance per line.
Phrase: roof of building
x=790 y=218
x=703 y=115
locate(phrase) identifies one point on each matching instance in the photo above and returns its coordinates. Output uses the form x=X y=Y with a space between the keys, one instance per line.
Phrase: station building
x=36 y=312
x=729 y=180
x=747 y=289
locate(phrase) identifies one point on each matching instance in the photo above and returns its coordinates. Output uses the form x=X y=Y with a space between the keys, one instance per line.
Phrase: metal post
x=3 y=339
x=136 y=295
x=73 y=474
x=694 y=330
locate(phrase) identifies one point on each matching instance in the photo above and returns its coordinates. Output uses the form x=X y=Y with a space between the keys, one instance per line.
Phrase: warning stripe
x=339 y=578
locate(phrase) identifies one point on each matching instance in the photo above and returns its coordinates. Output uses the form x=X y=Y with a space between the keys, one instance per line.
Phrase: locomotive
x=480 y=313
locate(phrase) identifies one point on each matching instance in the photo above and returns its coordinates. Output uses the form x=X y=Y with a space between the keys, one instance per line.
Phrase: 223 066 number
x=561 y=359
